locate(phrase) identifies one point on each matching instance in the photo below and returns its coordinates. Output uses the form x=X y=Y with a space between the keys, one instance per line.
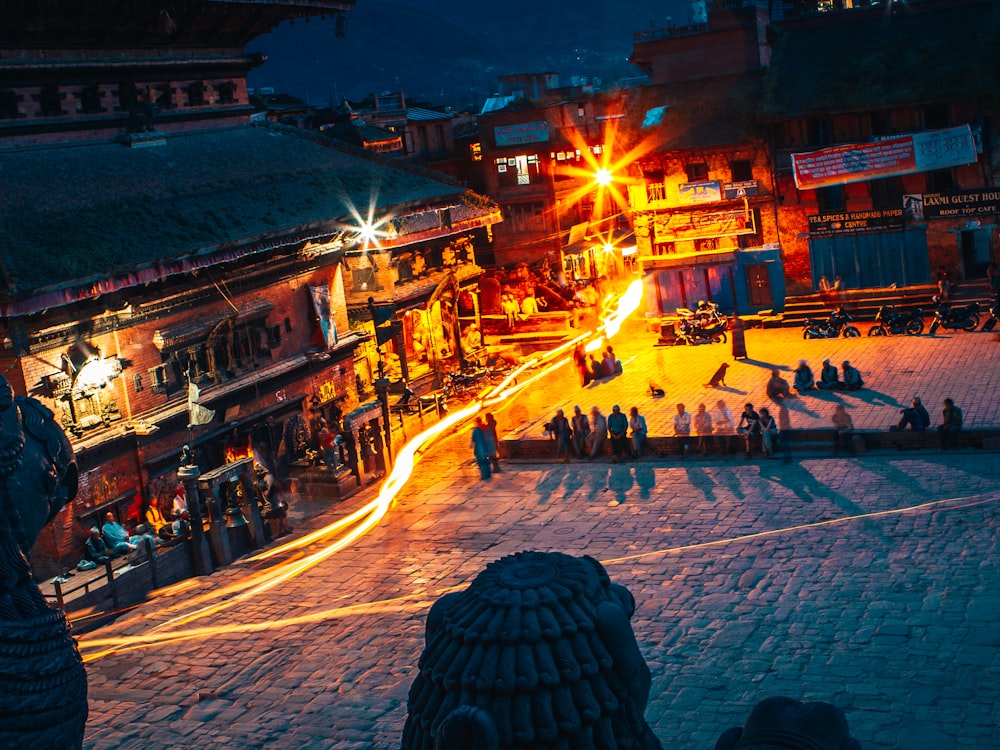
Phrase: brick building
x=149 y=248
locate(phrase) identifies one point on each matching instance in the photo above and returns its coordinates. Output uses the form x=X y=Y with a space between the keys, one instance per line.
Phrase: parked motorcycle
x=706 y=316
x=965 y=318
x=889 y=322
x=837 y=324
x=689 y=332
x=991 y=322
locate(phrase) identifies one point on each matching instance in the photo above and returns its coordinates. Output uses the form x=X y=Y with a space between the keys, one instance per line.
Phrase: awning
x=190 y=329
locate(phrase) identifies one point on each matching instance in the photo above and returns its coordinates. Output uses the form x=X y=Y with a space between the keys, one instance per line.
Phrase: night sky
x=451 y=51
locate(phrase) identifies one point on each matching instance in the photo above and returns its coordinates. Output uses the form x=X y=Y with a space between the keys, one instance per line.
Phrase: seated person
x=596 y=369
x=777 y=387
x=852 y=377
x=180 y=503
x=804 y=380
x=843 y=424
x=115 y=536
x=95 y=548
x=155 y=521
x=139 y=540
x=915 y=416
x=829 y=377
x=182 y=526
x=951 y=423
x=529 y=306
x=408 y=393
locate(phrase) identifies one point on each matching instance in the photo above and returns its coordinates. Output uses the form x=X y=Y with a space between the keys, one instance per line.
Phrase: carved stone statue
x=781 y=723
x=43 y=685
x=537 y=653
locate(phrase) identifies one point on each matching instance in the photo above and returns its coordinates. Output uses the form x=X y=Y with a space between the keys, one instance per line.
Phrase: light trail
x=361 y=521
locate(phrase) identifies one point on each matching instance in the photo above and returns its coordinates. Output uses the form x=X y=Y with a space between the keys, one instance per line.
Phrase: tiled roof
x=85 y=212
x=878 y=59
x=417 y=114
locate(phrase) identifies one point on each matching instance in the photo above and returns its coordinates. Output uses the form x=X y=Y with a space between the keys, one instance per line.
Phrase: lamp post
x=188 y=474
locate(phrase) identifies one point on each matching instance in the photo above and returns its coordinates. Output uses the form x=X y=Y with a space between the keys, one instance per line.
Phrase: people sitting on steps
x=915 y=416
x=829 y=377
x=804 y=380
x=852 y=377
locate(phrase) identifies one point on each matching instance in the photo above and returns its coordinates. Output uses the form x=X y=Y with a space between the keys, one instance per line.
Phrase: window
x=741 y=170
x=886 y=193
x=941 y=180
x=696 y=171
x=830 y=199
x=227 y=92
x=476 y=151
x=158 y=379
x=50 y=102
x=9 y=100
x=936 y=116
x=196 y=94
x=90 y=101
x=364 y=279
x=404 y=271
x=518 y=170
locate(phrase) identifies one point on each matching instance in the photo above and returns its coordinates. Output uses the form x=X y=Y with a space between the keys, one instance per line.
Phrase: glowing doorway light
x=603 y=177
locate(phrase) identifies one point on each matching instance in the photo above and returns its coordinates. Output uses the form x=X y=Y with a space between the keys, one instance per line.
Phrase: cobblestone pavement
x=891 y=616
x=896 y=368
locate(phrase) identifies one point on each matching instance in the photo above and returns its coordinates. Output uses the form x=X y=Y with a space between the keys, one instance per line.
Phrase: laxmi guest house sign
x=859 y=162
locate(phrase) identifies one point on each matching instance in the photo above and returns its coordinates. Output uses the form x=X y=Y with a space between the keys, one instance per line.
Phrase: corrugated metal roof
x=417 y=114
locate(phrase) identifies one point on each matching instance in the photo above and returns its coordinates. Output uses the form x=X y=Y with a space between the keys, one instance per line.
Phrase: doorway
x=759 y=283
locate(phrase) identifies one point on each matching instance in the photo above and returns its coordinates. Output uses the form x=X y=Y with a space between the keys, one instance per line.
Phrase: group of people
x=585 y=436
x=829 y=378
x=916 y=418
x=716 y=428
x=594 y=369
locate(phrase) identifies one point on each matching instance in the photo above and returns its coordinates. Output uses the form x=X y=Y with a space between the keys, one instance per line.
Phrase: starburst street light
x=367 y=229
x=603 y=177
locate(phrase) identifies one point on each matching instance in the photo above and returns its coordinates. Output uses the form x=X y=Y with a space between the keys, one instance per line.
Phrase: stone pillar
x=202 y=560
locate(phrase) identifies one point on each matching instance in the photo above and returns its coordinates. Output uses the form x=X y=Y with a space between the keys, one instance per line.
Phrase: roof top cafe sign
x=859 y=162
x=525 y=132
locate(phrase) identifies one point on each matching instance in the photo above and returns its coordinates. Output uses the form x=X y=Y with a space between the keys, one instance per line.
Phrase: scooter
x=964 y=318
x=991 y=322
x=888 y=321
x=837 y=324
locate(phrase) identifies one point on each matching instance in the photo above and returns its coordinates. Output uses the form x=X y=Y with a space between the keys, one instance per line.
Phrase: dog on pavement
x=719 y=378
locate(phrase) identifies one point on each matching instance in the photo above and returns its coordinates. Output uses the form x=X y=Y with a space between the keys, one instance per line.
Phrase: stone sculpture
x=537 y=653
x=781 y=723
x=43 y=685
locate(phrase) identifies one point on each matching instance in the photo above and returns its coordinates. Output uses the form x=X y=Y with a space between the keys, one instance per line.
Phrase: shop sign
x=525 y=132
x=736 y=190
x=693 y=193
x=859 y=162
x=853 y=222
x=678 y=227
x=984 y=202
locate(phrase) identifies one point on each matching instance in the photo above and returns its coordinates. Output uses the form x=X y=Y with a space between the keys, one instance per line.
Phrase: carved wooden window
x=50 y=102
x=90 y=101
x=227 y=92
x=9 y=99
x=196 y=94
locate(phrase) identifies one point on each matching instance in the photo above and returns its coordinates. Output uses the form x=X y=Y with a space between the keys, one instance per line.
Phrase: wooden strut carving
x=43 y=684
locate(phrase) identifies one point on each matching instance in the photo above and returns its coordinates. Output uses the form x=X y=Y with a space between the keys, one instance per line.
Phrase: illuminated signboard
x=525 y=132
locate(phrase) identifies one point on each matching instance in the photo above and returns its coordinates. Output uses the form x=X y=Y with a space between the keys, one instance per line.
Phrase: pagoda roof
x=76 y=222
x=881 y=58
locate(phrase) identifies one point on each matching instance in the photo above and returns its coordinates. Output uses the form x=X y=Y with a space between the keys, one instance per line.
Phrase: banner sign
x=825 y=225
x=525 y=132
x=701 y=226
x=744 y=189
x=859 y=162
x=983 y=202
x=692 y=193
x=320 y=295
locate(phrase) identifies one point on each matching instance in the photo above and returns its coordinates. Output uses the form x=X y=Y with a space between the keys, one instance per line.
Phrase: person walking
x=682 y=428
x=562 y=431
x=769 y=434
x=749 y=427
x=703 y=428
x=481 y=448
x=951 y=424
x=618 y=427
x=494 y=441
x=598 y=433
x=581 y=431
x=637 y=423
